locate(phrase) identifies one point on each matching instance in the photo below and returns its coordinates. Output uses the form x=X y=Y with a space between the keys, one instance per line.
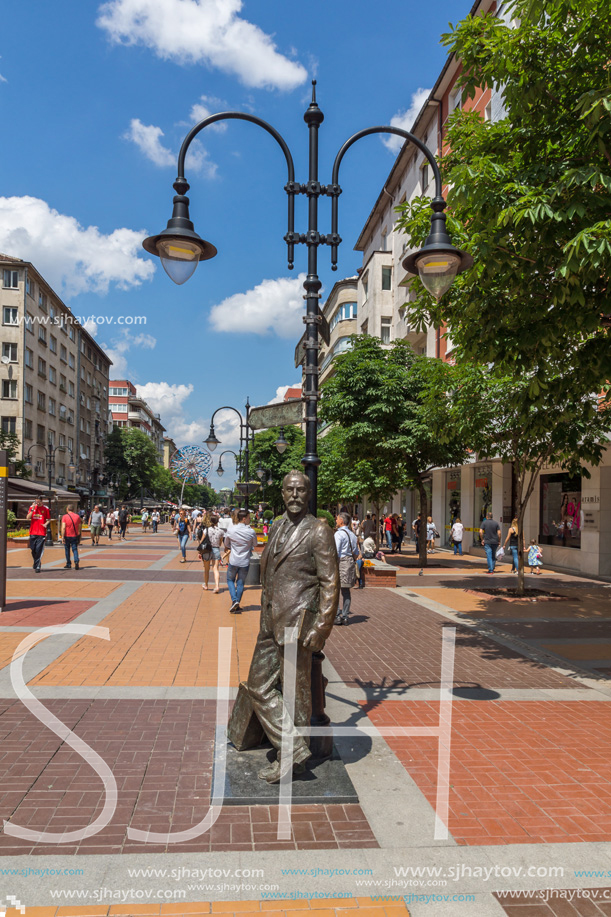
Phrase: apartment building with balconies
x=40 y=384
x=128 y=409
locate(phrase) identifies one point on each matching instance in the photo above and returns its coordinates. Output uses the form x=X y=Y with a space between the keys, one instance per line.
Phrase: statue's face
x=295 y=492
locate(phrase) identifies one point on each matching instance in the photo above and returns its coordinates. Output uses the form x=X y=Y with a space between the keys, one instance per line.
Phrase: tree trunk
x=424 y=511
x=377 y=528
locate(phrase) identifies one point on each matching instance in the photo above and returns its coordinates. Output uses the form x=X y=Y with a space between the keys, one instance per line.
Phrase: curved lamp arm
x=227 y=407
x=181 y=221
x=438 y=204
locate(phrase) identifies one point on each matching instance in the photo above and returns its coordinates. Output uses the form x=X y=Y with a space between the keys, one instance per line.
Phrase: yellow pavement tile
x=8 y=644
x=165 y=634
x=317 y=903
x=286 y=904
x=68 y=589
x=308 y=913
x=99 y=911
x=396 y=910
x=133 y=909
x=32 y=912
x=177 y=909
x=221 y=907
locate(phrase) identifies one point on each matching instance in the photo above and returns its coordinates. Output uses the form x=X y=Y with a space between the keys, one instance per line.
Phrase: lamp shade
x=212 y=442
x=281 y=443
x=178 y=245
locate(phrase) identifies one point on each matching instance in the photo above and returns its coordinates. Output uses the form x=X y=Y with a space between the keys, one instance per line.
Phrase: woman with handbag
x=210 y=540
x=347 y=552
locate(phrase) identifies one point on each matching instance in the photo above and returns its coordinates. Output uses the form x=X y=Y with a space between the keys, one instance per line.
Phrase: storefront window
x=452 y=503
x=560 y=515
x=482 y=499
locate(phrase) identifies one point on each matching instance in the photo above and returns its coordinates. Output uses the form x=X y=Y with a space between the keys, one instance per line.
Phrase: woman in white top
x=210 y=527
x=456 y=535
x=110 y=523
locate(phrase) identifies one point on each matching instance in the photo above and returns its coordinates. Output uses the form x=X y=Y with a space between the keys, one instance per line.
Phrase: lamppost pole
x=181 y=248
x=212 y=442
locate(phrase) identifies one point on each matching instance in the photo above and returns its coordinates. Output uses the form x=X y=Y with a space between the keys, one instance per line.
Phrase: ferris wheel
x=191 y=465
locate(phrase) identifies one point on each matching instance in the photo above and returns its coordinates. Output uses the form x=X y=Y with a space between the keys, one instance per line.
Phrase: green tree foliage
x=265 y=454
x=10 y=442
x=530 y=195
x=393 y=410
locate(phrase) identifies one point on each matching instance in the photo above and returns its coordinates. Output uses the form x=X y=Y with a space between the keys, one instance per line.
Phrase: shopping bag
x=500 y=552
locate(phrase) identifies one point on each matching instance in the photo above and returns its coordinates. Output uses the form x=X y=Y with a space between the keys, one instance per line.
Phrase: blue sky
x=96 y=98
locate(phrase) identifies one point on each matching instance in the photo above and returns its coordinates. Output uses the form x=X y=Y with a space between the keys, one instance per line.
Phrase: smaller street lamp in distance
x=281 y=444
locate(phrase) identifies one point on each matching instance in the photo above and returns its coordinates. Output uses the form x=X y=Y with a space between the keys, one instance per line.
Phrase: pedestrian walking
x=535 y=557
x=457 y=533
x=155 y=520
x=183 y=531
x=416 y=531
x=96 y=520
x=513 y=543
x=388 y=531
x=490 y=534
x=395 y=533
x=172 y=519
x=196 y=521
x=241 y=539
x=400 y=532
x=71 y=536
x=123 y=520
x=210 y=542
x=347 y=552
x=110 y=523
x=431 y=534
x=38 y=517
x=144 y=519
x=369 y=527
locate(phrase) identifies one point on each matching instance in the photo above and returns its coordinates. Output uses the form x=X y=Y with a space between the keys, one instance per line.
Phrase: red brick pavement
x=40 y=613
x=527 y=772
x=392 y=643
x=161 y=754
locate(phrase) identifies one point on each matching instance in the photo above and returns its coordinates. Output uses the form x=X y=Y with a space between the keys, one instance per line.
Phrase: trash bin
x=54 y=528
x=254 y=571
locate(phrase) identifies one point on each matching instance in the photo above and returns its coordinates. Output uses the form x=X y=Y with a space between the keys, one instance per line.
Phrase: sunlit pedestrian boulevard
x=529 y=801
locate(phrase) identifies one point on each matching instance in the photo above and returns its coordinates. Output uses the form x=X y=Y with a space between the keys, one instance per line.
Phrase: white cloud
x=72 y=258
x=91 y=326
x=121 y=345
x=405 y=119
x=147 y=138
x=206 y=31
x=273 y=305
x=281 y=392
x=201 y=110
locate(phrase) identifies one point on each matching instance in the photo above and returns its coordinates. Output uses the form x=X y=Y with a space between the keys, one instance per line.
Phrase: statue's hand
x=314 y=641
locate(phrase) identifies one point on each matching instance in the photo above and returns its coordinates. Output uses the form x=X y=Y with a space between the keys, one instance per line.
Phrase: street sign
x=3 y=524
x=283 y=414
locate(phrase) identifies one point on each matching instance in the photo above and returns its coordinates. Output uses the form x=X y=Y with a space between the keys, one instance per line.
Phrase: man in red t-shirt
x=388 y=531
x=38 y=517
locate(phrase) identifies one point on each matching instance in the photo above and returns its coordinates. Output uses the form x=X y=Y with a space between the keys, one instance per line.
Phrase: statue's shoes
x=275 y=771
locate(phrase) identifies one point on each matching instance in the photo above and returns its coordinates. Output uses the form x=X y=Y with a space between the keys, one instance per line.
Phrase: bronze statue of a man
x=300 y=589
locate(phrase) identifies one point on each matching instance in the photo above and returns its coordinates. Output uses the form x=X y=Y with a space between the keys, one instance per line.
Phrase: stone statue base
x=322 y=783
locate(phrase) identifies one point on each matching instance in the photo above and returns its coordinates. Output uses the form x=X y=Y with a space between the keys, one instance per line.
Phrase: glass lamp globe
x=179 y=258
x=437 y=271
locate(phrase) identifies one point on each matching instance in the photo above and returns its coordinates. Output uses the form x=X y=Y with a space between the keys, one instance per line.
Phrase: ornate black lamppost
x=181 y=248
x=212 y=442
x=238 y=460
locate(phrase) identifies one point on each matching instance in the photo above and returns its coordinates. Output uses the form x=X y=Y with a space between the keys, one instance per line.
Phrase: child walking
x=535 y=557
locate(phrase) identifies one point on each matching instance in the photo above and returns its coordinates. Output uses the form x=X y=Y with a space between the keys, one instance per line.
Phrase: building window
x=29 y=393
x=29 y=358
x=71 y=360
x=9 y=424
x=10 y=315
x=365 y=327
x=71 y=333
x=62 y=383
x=88 y=403
x=29 y=286
x=482 y=499
x=88 y=427
x=52 y=344
x=42 y=401
x=51 y=437
x=71 y=417
x=386 y=278
x=10 y=279
x=42 y=300
x=52 y=407
x=63 y=353
x=384 y=240
x=9 y=389
x=88 y=378
x=52 y=375
x=346 y=311
x=27 y=429
x=42 y=368
x=385 y=326
x=9 y=351
x=40 y=434
x=29 y=323
x=42 y=335
x=71 y=389
x=455 y=100
x=560 y=510
x=365 y=285
x=52 y=313
x=425 y=174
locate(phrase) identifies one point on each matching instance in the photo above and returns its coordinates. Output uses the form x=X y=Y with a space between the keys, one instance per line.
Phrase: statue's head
x=296 y=492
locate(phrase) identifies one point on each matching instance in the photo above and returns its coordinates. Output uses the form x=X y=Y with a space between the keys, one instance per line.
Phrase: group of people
x=220 y=539
x=490 y=536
